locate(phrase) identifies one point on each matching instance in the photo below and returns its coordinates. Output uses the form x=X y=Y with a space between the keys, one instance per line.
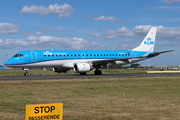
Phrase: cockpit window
x=21 y=55
x=18 y=55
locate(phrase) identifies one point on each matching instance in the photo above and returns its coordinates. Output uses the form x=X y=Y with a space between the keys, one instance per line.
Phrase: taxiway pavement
x=88 y=76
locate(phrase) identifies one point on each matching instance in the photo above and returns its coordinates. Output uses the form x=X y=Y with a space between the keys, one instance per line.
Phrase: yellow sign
x=44 y=111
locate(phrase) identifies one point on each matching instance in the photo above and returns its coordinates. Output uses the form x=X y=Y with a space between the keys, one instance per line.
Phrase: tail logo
x=148 y=42
x=148 y=38
x=47 y=53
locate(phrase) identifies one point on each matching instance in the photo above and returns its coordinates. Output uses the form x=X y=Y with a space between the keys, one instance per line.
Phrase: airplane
x=3 y=67
x=83 y=61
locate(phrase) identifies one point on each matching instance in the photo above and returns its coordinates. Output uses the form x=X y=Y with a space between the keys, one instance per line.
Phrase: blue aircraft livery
x=83 y=61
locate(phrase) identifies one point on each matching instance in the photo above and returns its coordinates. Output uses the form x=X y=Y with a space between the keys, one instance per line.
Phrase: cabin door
x=133 y=54
x=33 y=56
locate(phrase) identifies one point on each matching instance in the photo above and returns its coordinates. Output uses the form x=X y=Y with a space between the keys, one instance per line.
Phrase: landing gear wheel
x=82 y=73
x=26 y=73
x=97 y=72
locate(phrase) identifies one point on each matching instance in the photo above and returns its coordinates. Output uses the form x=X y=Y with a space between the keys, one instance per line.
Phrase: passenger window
x=44 y=55
x=64 y=55
x=56 y=55
x=94 y=55
x=60 y=55
x=68 y=55
x=90 y=55
x=78 y=55
x=87 y=55
x=52 y=55
x=71 y=55
x=75 y=55
x=107 y=54
x=48 y=55
x=122 y=54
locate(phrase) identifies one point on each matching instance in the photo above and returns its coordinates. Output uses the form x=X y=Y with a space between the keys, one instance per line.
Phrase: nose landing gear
x=26 y=72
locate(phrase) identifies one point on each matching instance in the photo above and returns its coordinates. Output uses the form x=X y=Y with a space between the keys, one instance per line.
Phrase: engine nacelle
x=60 y=70
x=82 y=67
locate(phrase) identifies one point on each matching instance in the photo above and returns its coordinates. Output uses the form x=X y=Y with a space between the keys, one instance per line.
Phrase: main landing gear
x=97 y=72
x=82 y=73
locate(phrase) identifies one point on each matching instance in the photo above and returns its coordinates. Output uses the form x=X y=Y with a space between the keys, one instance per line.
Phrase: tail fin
x=148 y=42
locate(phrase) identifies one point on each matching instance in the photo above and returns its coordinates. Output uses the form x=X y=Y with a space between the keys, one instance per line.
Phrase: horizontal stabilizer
x=166 y=51
x=157 y=53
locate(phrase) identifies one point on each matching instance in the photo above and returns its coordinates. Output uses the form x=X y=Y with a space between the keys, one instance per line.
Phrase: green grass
x=118 y=71
x=96 y=99
x=48 y=72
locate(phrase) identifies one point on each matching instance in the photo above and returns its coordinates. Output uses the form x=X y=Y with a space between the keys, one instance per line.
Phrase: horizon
x=89 y=25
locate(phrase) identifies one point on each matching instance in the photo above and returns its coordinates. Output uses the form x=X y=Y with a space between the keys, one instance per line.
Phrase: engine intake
x=82 y=67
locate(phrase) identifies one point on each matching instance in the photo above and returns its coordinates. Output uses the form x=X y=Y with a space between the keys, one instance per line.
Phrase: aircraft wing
x=106 y=61
x=2 y=67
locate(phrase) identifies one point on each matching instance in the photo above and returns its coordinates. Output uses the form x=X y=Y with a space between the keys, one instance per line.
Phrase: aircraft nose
x=9 y=63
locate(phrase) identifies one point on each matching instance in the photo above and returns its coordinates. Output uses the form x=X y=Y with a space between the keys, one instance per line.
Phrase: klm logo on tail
x=148 y=38
x=148 y=42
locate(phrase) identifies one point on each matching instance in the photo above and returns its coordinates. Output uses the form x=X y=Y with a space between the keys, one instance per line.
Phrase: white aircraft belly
x=55 y=63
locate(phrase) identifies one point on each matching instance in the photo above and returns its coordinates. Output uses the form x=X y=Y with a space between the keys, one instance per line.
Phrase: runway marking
x=163 y=71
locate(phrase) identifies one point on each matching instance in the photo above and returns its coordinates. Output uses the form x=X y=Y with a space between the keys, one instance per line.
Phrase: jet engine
x=82 y=67
x=60 y=70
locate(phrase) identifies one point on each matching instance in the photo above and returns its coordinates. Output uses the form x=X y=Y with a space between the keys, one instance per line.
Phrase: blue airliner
x=3 y=67
x=83 y=61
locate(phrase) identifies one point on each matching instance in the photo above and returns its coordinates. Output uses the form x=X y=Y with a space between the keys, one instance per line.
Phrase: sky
x=89 y=25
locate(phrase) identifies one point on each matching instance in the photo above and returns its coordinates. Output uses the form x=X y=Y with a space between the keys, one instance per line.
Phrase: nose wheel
x=26 y=73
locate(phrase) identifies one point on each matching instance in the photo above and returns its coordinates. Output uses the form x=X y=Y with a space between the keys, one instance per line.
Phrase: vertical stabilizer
x=148 y=42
